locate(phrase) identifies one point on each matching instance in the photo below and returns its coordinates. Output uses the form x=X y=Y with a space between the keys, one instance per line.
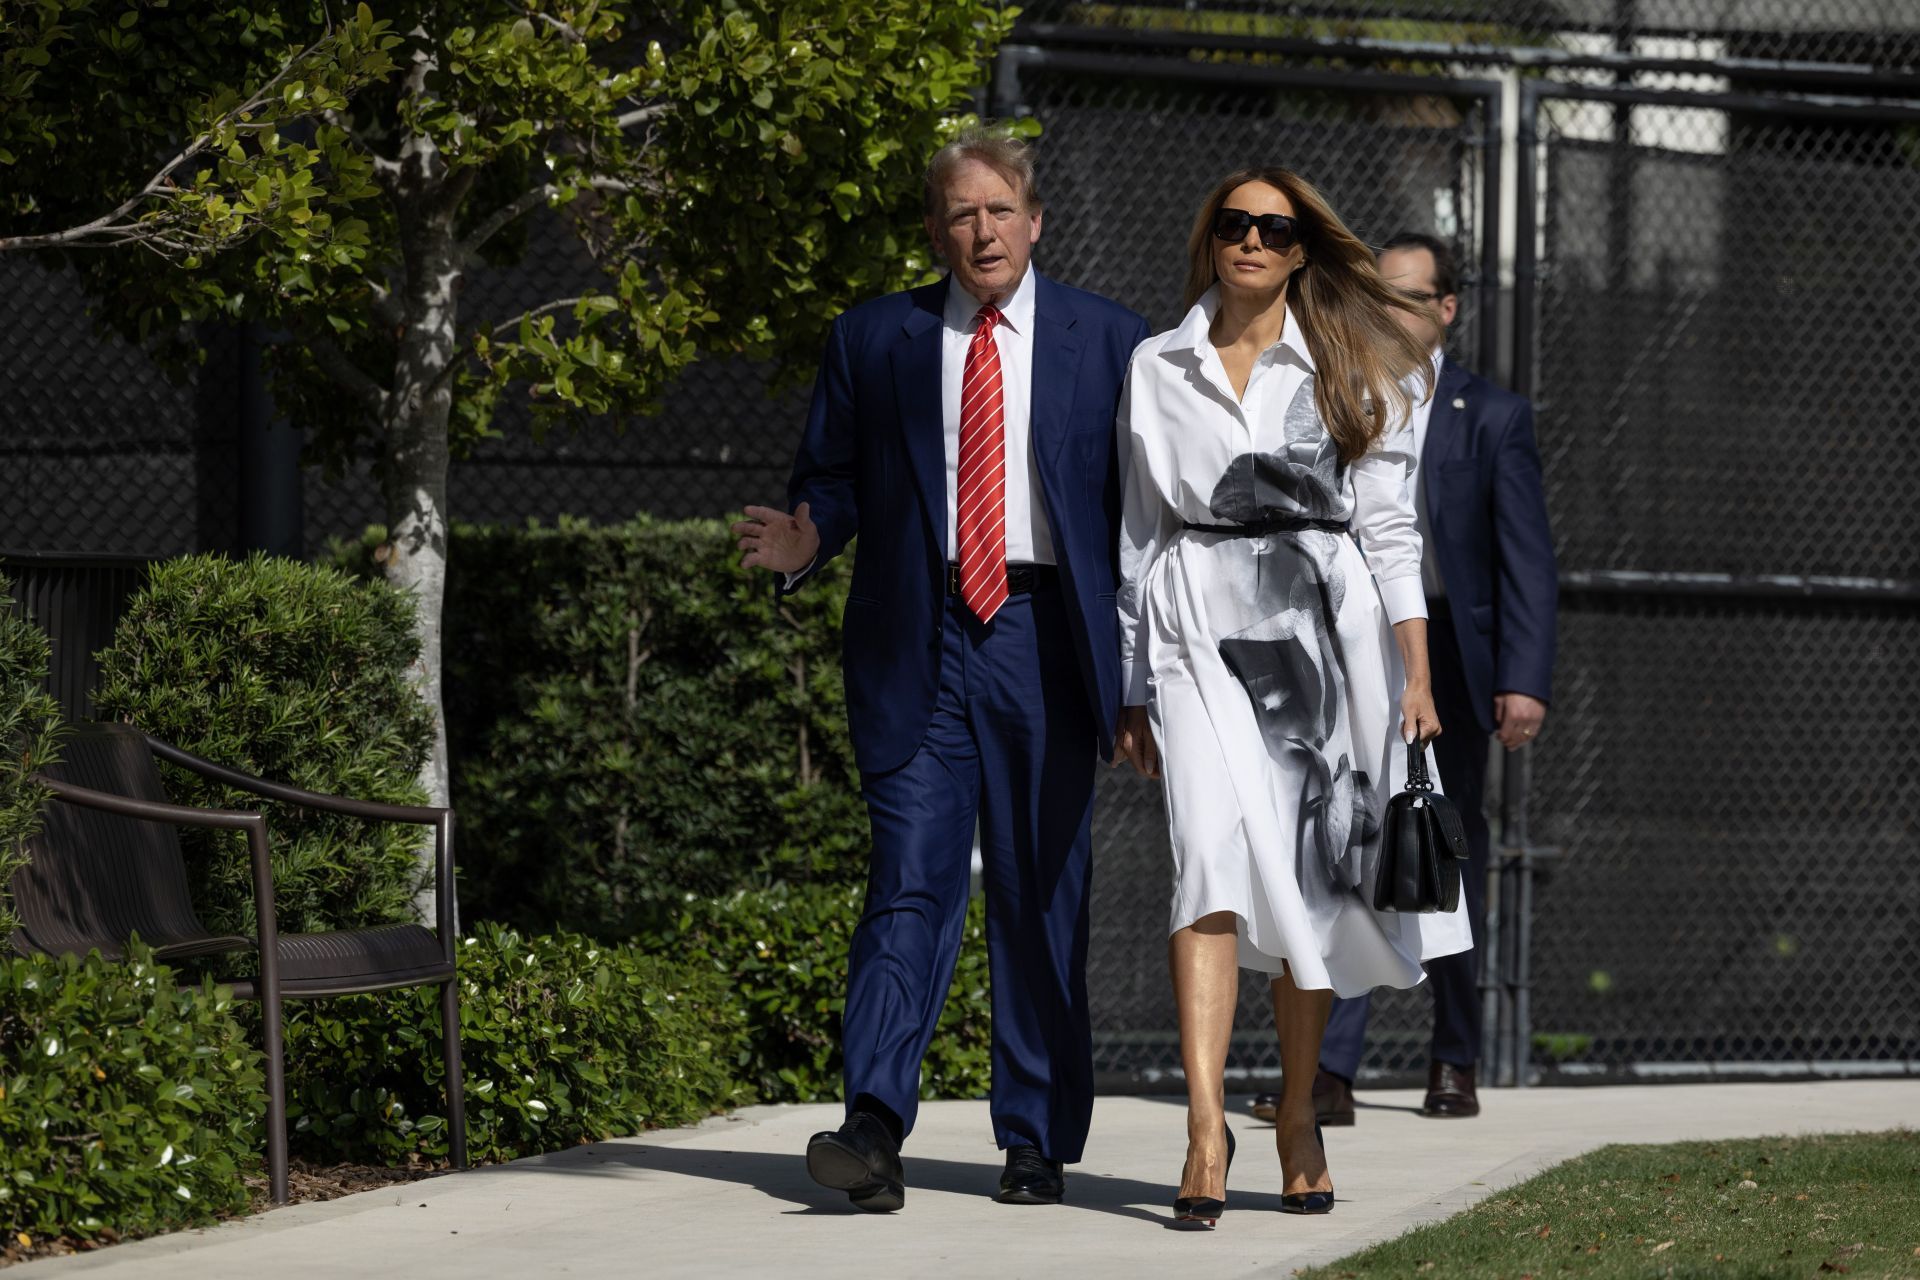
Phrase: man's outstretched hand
x=775 y=540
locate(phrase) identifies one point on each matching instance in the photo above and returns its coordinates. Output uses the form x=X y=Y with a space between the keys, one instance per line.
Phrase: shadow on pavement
x=784 y=1177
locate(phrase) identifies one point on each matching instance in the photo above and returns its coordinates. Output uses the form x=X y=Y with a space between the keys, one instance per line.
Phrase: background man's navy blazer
x=1487 y=512
x=873 y=463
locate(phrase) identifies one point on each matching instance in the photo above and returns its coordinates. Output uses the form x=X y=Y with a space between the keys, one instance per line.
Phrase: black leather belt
x=1022 y=579
x=1263 y=528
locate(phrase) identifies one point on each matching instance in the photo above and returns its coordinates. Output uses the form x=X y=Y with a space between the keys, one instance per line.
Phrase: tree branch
x=386 y=308
x=628 y=119
x=333 y=362
x=573 y=36
x=505 y=327
x=532 y=313
x=525 y=203
x=109 y=229
x=497 y=221
x=108 y=225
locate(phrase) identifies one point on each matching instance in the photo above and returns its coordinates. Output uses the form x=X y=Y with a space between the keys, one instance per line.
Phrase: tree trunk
x=419 y=405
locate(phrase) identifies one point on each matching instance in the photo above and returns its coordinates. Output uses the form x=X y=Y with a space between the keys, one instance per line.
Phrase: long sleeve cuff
x=1404 y=598
x=1513 y=677
x=795 y=579
x=1133 y=683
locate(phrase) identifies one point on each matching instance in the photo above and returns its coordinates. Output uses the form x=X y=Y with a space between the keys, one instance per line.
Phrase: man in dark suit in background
x=964 y=431
x=1492 y=589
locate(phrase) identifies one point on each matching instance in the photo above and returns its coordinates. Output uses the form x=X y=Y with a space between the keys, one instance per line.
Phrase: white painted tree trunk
x=419 y=405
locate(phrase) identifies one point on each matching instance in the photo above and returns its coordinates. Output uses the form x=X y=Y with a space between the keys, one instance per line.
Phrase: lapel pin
x=1459 y=402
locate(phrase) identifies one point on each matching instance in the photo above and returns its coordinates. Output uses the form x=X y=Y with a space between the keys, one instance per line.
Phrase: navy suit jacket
x=873 y=463
x=1487 y=510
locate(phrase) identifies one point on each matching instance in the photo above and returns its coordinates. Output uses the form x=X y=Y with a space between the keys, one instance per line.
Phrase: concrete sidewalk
x=732 y=1198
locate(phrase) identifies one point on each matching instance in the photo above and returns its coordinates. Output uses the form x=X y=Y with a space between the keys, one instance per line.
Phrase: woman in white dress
x=1273 y=636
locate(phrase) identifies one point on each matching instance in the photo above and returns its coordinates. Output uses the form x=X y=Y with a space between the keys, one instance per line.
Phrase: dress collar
x=1191 y=334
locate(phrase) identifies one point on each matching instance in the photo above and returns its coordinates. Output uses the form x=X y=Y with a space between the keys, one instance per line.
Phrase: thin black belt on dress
x=1277 y=524
x=1022 y=579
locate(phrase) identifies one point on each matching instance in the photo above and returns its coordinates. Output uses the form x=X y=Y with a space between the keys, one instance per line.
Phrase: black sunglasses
x=1277 y=230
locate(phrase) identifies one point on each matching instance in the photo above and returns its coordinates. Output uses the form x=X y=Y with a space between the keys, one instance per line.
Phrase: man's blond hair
x=993 y=146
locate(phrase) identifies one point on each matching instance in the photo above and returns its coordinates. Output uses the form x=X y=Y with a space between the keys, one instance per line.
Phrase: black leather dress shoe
x=1332 y=1101
x=1451 y=1092
x=859 y=1158
x=1332 y=1098
x=1031 y=1178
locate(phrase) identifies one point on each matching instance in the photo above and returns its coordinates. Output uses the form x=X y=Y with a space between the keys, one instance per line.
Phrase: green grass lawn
x=1844 y=1204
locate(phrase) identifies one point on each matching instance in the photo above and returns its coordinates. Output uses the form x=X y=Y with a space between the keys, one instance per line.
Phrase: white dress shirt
x=1029 y=540
x=1422 y=415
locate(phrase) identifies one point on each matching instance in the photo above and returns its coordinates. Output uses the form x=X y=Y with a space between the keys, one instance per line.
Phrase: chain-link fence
x=99 y=450
x=103 y=452
x=1725 y=334
x=1711 y=307
x=1820 y=38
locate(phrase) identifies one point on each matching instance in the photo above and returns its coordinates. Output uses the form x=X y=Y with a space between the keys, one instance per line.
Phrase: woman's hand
x=1135 y=742
x=1417 y=714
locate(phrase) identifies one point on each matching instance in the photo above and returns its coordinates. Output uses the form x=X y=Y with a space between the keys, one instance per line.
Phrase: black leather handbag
x=1422 y=844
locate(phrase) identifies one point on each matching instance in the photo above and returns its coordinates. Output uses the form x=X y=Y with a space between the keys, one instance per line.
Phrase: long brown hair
x=1361 y=352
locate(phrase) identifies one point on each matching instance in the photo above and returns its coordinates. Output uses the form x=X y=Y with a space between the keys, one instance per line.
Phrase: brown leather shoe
x=1450 y=1091
x=1266 y=1106
x=1332 y=1099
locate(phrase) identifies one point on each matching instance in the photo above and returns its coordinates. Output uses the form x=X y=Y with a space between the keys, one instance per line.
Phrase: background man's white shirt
x=1422 y=415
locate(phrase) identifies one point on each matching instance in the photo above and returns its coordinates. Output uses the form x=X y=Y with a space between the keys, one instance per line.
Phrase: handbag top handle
x=1417 y=779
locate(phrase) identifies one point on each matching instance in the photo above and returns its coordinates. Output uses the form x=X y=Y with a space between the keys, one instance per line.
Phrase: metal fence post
x=1516 y=883
x=272 y=495
x=1004 y=96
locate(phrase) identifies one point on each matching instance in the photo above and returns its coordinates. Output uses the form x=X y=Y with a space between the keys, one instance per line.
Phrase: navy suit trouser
x=1461 y=753
x=1011 y=747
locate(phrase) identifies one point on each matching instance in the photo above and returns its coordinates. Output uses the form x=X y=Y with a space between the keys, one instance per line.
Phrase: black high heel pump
x=1310 y=1201
x=1201 y=1212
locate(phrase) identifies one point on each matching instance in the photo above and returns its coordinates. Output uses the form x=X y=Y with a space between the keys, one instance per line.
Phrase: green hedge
x=565 y=1041
x=784 y=951
x=294 y=673
x=633 y=717
x=29 y=722
x=130 y=1104
x=126 y=1103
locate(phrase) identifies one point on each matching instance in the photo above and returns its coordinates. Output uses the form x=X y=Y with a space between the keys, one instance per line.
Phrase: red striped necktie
x=982 y=520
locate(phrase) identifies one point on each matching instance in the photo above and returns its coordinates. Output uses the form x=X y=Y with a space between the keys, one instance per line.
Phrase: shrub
x=126 y=1102
x=634 y=717
x=29 y=720
x=785 y=953
x=564 y=1041
x=294 y=673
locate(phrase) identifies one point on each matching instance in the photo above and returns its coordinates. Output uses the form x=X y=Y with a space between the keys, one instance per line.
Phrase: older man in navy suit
x=1492 y=589
x=964 y=431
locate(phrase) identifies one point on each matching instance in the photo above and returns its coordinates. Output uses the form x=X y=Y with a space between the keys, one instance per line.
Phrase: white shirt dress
x=1267 y=663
